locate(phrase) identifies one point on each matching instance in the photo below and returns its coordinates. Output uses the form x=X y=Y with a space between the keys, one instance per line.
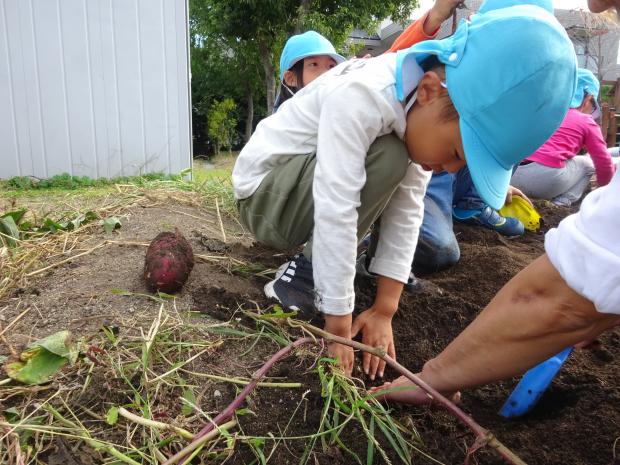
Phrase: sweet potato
x=169 y=260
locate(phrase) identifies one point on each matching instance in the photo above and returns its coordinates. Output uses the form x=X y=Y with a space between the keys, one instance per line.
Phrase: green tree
x=222 y=122
x=264 y=25
x=221 y=67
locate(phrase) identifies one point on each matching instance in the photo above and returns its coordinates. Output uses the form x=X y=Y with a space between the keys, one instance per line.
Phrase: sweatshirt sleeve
x=400 y=226
x=597 y=149
x=344 y=139
x=412 y=35
x=585 y=249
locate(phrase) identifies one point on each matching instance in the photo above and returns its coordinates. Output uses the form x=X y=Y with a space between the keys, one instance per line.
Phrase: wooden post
x=605 y=120
x=617 y=94
x=612 y=132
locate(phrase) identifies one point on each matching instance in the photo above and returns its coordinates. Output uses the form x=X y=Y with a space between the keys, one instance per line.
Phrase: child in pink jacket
x=555 y=172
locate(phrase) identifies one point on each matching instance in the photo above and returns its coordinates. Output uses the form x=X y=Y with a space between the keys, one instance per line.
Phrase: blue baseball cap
x=586 y=84
x=511 y=75
x=301 y=46
x=490 y=5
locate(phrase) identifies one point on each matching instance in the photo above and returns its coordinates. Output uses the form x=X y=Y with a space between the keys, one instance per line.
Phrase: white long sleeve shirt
x=585 y=248
x=338 y=116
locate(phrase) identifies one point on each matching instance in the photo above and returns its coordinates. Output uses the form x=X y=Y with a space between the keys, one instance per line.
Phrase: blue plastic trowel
x=534 y=382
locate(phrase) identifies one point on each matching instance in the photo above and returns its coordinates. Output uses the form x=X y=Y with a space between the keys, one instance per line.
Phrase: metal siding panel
x=29 y=127
x=129 y=85
x=51 y=81
x=183 y=104
x=102 y=81
x=172 y=78
x=153 y=84
x=77 y=87
x=107 y=107
x=8 y=130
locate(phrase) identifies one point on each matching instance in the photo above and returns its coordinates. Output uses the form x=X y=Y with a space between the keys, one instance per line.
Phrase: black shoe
x=293 y=286
x=361 y=269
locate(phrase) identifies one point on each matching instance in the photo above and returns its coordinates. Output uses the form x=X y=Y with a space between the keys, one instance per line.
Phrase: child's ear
x=290 y=79
x=429 y=88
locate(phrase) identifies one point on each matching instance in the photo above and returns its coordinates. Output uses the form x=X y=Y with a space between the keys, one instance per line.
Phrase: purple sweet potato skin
x=169 y=260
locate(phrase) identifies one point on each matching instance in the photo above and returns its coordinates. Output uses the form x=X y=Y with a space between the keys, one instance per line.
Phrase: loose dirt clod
x=169 y=260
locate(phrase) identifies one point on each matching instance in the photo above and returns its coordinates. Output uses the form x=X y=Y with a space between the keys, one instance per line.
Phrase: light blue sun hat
x=511 y=74
x=490 y=5
x=586 y=84
x=301 y=46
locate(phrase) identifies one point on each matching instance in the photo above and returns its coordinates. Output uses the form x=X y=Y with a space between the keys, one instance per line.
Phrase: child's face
x=313 y=67
x=433 y=141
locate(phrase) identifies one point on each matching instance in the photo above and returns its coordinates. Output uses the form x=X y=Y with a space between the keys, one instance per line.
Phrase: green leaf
x=52 y=226
x=112 y=416
x=43 y=359
x=110 y=224
x=12 y=415
x=244 y=411
x=82 y=219
x=188 y=408
x=17 y=215
x=40 y=367
x=163 y=295
x=117 y=291
x=277 y=313
x=60 y=344
x=10 y=229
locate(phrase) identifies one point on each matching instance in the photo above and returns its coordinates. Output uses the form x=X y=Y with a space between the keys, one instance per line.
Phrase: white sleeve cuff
x=390 y=269
x=335 y=305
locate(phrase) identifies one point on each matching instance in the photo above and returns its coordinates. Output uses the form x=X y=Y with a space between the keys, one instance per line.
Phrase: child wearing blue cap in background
x=554 y=172
x=304 y=58
x=332 y=161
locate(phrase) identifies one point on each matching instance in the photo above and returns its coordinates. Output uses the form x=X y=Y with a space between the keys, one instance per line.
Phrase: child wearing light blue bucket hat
x=304 y=57
x=355 y=148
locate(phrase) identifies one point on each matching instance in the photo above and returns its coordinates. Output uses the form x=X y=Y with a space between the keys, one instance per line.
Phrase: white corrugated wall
x=94 y=87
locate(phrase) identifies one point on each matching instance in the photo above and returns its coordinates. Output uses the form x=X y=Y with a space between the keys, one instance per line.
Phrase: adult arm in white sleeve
x=585 y=248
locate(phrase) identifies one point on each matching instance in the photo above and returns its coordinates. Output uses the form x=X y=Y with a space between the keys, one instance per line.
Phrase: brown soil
x=576 y=422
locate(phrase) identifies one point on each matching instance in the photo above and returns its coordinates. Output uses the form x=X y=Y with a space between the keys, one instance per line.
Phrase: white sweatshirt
x=338 y=116
x=585 y=248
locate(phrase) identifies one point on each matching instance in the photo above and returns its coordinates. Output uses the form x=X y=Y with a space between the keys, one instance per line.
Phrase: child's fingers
x=374 y=366
x=392 y=350
x=366 y=363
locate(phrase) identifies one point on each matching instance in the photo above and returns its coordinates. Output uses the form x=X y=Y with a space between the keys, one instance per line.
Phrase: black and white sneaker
x=293 y=286
x=414 y=284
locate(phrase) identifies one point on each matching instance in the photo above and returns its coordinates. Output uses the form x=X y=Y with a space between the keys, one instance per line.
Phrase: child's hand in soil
x=340 y=325
x=376 y=328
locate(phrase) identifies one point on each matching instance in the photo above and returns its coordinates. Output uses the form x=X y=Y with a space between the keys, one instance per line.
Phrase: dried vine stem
x=229 y=411
x=483 y=436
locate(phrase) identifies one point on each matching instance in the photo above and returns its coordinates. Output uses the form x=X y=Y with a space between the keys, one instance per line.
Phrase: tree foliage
x=222 y=122
x=236 y=44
